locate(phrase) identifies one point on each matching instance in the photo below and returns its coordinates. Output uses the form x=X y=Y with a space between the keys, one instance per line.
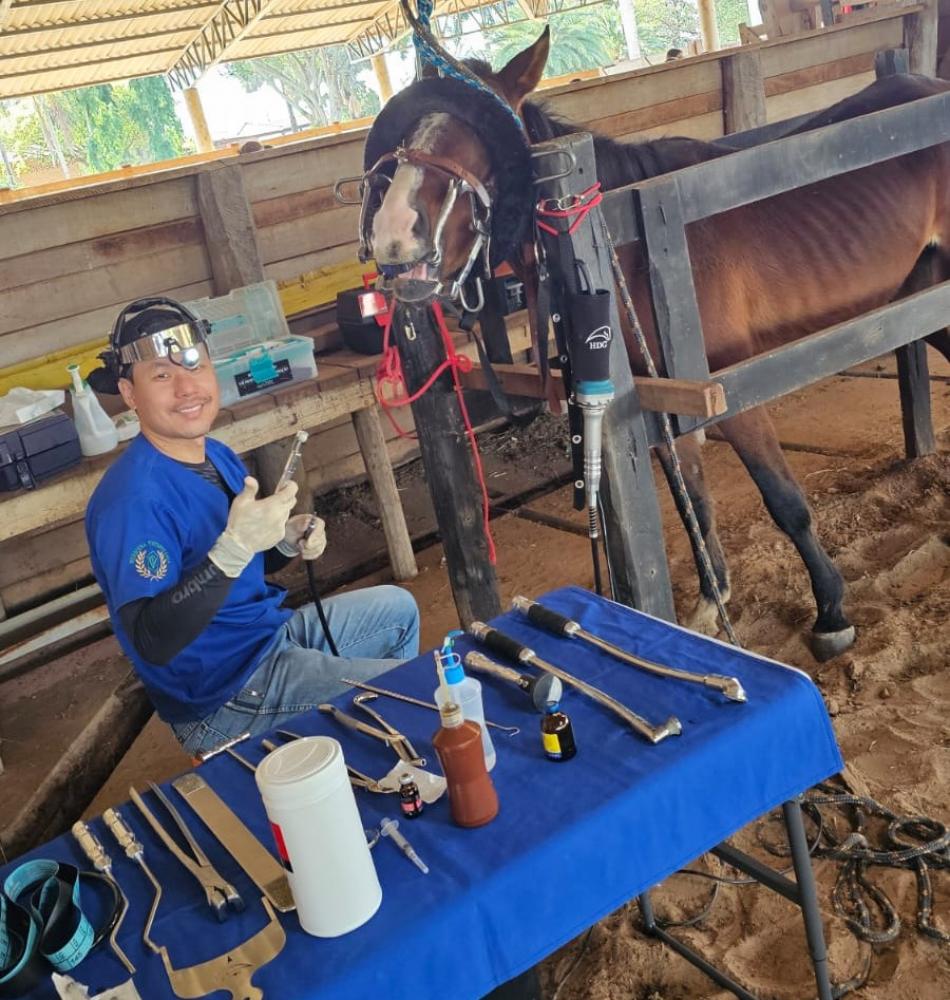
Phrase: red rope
x=582 y=203
x=390 y=374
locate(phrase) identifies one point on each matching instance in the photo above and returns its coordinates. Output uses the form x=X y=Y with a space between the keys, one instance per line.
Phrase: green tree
x=318 y=86
x=582 y=39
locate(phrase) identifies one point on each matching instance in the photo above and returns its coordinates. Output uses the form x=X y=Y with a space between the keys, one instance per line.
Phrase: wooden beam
x=920 y=38
x=381 y=69
x=450 y=473
x=666 y=395
x=230 y=235
x=199 y=122
x=379 y=468
x=5 y=6
x=743 y=92
x=708 y=29
x=633 y=528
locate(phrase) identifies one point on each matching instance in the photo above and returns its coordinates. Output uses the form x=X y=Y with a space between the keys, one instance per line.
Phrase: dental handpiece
x=551 y=621
x=507 y=646
x=96 y=853
x=390 y=828
x=135 y=852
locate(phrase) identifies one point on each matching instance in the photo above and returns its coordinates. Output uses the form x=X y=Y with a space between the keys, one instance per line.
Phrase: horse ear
x=524 y=72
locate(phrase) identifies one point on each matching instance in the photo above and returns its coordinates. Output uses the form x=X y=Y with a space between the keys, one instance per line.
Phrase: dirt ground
x=887 y=524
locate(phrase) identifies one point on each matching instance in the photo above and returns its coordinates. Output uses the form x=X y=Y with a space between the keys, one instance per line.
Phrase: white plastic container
x=466 y=692
x=97 y=433
x=319 y=835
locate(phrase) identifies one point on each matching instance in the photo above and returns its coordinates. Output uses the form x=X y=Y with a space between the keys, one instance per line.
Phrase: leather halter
x=461 y=181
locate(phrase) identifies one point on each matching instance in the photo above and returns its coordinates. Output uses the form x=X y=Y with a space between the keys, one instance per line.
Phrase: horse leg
x=703 y=617
x=753 y=437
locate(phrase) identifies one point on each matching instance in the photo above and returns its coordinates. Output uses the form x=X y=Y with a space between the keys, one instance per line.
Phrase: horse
x=765 y=274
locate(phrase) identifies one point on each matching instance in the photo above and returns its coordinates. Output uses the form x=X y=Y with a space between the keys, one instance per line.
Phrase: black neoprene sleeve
x=160 y=627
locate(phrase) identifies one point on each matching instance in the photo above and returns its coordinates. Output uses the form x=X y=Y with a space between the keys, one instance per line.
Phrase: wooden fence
x=69 y=260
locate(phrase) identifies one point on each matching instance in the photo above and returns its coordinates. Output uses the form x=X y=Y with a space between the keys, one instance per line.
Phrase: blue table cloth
x=573 y=841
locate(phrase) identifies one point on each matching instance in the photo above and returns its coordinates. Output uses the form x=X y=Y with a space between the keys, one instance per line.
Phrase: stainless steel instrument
x=218 y=891
x=96 y=853
x=126 y=839
x=409 y=700
x=543 y=690
x=553 y=622
x=507 y=646
x=389 y=736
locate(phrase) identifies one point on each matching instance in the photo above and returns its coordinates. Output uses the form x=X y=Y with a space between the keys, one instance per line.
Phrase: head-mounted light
x=180 y=344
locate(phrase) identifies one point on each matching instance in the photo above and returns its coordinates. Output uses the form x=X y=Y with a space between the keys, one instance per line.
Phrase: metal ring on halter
x=566 y=153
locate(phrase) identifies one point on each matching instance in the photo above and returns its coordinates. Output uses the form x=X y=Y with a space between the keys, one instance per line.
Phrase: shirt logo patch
x=150 y=560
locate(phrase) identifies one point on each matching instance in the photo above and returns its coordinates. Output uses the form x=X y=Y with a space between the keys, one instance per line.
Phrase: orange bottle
x=458 y=743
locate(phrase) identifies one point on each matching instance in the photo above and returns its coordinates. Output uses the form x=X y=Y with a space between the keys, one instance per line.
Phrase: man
x=181 y=541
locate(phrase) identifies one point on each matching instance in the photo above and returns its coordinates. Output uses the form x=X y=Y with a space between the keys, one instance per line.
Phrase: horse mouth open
x=397 y=277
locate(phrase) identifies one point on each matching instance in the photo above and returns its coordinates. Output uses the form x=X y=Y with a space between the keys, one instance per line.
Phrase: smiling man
x=181 y=544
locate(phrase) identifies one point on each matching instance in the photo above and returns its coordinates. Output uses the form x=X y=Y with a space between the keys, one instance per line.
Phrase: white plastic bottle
x=466 y=692
x=319 y=835
x=97 y=433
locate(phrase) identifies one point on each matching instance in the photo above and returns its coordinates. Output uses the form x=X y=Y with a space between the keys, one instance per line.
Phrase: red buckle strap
x=576 y=210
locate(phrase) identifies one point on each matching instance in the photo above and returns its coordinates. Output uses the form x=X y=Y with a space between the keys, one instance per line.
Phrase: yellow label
x=551 y=741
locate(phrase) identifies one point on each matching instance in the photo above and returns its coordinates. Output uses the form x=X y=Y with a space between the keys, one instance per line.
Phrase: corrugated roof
x=48 y=45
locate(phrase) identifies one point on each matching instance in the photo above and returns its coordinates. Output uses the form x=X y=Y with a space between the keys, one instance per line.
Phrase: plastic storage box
x=251 y=345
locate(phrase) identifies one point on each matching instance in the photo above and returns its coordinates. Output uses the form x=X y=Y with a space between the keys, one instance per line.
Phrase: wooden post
x=675 y=309
x=448 y=464
x=708 y=29
x=230 y=236
x=380 y=471
x=913 y=374
x=743 y=92
x=920 y=38
x=633 y=529
x=381 y=69
x=199 y=123
x=231 y=242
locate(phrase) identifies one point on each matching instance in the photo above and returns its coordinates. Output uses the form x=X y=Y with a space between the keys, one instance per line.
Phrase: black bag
x=36 y=451
x=361 y=316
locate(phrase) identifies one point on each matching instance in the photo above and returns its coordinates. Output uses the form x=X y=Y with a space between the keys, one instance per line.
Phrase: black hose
x=315 y=597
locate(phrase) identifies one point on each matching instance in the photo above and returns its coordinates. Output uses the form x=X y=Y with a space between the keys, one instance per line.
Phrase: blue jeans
x=374 y=629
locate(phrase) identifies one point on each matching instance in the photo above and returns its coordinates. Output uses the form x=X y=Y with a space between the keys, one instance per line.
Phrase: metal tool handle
x=123 y=834
x=92 y=847
x=293 y=460
x=501 y=643
x=481 y=664
x=544 y=617
x=357 y=724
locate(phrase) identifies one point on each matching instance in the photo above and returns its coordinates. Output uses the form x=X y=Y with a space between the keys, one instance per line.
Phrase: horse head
x=448 y=174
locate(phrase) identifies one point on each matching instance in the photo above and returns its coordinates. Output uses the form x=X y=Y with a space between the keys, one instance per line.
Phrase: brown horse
x=765 y=274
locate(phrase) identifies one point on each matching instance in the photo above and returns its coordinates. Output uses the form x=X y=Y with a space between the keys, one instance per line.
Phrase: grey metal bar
x=814 y=931
x=760 y=872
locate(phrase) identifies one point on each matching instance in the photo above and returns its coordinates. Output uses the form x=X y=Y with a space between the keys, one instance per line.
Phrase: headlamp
x=180 y=344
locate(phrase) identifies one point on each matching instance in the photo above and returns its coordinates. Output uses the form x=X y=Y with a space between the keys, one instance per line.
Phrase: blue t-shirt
x=149 y=521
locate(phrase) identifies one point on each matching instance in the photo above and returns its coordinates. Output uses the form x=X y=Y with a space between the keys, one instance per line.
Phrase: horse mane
x=620 y=163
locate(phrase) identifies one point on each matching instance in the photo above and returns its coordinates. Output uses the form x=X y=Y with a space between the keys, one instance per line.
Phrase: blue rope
x=431 y=54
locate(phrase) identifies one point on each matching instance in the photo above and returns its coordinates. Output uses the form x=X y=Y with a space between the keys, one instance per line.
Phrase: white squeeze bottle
x=97 y=433
x=464 y=691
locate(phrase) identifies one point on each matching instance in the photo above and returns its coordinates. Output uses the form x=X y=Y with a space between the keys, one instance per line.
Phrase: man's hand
x=296 y=537
x=253 y=526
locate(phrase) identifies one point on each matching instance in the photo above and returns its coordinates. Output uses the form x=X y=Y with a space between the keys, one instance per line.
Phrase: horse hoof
x=826 y=645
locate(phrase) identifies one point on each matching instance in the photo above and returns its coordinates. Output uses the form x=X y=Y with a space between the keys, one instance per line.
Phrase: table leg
x=652 y=928
x=808 y=897
x=372 y=444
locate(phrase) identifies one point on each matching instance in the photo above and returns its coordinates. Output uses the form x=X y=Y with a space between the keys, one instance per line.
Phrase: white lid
x=302 y=770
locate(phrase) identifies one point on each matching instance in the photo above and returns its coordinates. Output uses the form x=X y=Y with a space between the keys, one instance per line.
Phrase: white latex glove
x=253 y=526
x=294 y=542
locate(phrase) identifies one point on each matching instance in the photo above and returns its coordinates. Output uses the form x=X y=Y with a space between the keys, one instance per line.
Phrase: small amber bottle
x=557 y=734
x=410 y=801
